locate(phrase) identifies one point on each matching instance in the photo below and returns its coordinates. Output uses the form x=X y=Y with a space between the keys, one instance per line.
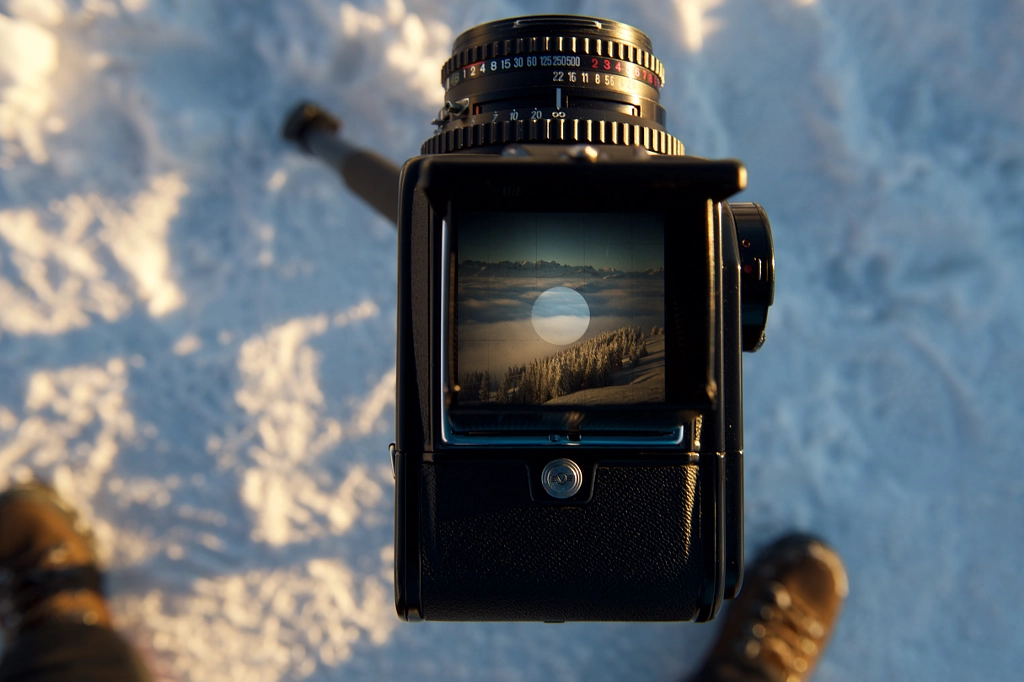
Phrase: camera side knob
x=757 y=270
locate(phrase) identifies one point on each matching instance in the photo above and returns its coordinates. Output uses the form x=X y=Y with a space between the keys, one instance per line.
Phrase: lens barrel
x=551 y=79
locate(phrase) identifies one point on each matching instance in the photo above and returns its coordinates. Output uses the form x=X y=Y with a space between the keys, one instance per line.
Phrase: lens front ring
x=554 y=79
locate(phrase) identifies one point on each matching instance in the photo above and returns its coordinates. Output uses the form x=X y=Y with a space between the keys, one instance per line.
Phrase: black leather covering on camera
x=604 y=560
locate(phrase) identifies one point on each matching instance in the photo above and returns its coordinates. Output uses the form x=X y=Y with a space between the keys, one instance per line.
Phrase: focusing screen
x=560 y=309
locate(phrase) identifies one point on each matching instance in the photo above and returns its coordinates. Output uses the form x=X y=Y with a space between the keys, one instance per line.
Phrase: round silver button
x=562 y=478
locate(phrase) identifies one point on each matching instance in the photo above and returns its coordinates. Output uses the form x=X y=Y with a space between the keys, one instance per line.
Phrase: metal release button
x=562 y=478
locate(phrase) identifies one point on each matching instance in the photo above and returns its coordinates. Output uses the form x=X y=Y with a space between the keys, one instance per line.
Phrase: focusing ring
x=587 y=46
x=548 y=131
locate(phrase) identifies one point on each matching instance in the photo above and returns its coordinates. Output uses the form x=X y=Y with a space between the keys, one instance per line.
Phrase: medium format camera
x=574 y=296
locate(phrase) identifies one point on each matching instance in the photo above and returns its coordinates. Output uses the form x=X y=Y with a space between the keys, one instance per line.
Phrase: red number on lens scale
x=618 y=66
x=607 y=65
x=593 y=63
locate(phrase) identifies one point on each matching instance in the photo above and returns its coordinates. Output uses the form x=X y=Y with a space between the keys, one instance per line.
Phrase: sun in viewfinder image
x=560 y=309
x=561 y=315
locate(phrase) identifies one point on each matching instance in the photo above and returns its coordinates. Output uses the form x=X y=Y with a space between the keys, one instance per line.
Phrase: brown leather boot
x=48 y=571
x=779 y=625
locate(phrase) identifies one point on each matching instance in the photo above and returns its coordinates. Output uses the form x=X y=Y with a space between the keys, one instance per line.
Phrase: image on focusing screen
x=560 y=309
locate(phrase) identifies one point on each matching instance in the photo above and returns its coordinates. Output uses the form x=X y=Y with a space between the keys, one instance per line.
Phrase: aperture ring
x=576 y=45
x=550 y=131
x=566 y=70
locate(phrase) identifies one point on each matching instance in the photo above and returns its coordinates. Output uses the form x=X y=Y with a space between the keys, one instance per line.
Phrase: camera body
x=654 y=531
x=574 y=296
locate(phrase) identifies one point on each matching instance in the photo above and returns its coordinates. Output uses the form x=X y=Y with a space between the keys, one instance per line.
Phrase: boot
x=777 y=628
x=48 y=571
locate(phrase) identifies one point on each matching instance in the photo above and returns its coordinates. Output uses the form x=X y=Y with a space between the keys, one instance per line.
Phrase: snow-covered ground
x=197 y=322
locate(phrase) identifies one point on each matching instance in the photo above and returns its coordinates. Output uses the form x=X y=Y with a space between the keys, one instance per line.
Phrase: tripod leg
x=372 y=177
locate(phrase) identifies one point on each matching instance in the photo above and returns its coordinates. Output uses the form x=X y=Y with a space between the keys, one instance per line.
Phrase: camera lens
x=555 y=79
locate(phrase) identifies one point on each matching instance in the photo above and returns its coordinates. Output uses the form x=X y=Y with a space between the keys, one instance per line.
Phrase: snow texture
x=197 y=322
